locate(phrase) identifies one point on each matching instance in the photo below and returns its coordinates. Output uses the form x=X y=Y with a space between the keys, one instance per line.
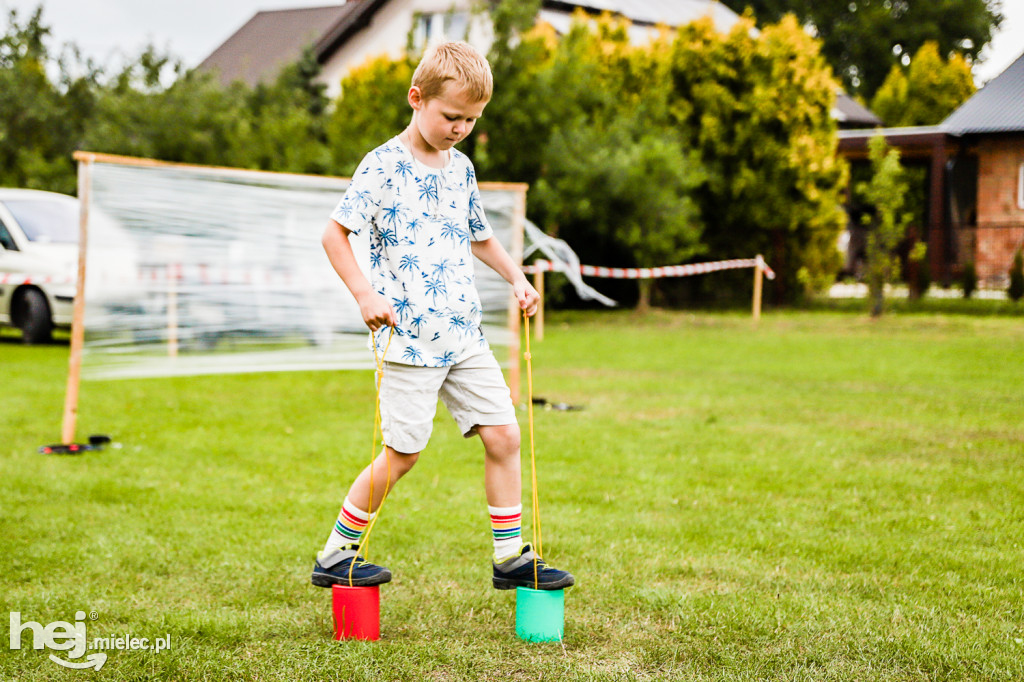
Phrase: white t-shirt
x=421 y=222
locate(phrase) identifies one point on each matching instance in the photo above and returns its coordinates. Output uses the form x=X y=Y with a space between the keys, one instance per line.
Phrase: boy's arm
x=494 y=255
x=374 y=308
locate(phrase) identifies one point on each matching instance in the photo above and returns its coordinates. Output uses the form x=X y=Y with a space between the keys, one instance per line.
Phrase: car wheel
x=34 y=317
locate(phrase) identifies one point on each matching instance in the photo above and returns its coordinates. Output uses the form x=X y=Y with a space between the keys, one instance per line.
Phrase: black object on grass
x=96 y=442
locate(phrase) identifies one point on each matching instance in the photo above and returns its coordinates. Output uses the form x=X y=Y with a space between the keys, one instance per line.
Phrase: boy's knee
x=404 y=460
x=501 y=441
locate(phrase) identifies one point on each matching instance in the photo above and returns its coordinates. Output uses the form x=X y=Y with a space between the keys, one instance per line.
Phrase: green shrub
x=969 y=278
x=919 y=275
x=1016 y=288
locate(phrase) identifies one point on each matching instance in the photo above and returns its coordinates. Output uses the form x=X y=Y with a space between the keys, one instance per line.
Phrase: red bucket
x=356 y=612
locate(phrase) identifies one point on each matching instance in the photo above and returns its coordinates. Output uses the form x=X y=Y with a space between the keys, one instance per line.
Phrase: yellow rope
x=379 y=361
x=537 y=537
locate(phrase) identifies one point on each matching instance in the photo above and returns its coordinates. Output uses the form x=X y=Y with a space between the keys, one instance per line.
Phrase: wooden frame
x=86 y=160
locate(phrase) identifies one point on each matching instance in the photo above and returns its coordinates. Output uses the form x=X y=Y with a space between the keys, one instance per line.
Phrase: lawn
x=819 y=497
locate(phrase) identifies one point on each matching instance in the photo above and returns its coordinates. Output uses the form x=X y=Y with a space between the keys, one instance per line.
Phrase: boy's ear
x=415 y=97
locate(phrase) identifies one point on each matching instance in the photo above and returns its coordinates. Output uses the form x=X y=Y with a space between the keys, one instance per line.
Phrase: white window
x=431 y=27
x=1020 y=186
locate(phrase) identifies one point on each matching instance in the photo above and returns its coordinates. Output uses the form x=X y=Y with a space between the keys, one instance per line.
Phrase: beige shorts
x=474 y=391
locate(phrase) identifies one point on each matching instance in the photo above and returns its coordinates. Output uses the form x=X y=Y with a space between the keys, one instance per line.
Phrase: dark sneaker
x=518 y=572
x=334 y=568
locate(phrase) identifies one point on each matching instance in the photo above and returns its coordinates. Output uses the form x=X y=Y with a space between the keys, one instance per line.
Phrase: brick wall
x=1000 y=219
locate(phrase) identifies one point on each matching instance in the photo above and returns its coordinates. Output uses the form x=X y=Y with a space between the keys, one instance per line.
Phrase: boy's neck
x=421 y=149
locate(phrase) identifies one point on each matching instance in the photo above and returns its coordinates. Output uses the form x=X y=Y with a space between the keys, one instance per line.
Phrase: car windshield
x=46 y=221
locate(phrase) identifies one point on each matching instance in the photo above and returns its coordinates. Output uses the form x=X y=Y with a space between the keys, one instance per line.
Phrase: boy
x=419 y=200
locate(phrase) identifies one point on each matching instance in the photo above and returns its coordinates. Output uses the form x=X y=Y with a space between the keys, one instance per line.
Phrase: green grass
x=822 y=497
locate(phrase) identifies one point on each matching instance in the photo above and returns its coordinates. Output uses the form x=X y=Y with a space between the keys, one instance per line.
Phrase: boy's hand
x=376 y=311
x=527 y=296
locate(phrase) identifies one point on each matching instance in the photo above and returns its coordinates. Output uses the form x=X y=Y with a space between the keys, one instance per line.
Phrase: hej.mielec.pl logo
x=71 y=637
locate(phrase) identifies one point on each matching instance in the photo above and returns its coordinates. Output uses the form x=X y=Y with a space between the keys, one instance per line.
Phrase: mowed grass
x=820 y=497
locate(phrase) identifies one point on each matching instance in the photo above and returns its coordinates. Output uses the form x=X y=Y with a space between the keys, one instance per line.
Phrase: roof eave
x=353 y=22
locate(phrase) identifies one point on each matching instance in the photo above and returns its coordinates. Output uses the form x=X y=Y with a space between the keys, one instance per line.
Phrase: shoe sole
x=512 y=583
x=321 y=580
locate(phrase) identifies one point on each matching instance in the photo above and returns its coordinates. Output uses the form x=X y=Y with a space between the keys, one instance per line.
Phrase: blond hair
x=455 y=61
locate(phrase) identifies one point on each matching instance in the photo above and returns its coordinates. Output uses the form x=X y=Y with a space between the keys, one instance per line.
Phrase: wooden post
x=538 y=319
x=78 y=315
x=758 y=277
x=172 y=311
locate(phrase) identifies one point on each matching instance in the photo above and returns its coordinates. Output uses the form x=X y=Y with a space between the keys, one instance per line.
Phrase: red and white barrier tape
x=654 y=273
x=201 y=274
x=21 y=278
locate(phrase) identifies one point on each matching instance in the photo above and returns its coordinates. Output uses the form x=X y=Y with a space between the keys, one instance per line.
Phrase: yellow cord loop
x=537 y=537
x=379 y=361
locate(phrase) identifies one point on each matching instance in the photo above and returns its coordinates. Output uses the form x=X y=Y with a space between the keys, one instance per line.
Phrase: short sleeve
x=358 y=207
x=479 y=228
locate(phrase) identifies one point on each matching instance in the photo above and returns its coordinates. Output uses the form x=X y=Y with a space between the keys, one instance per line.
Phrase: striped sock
x=507 y=528
x=349 y=527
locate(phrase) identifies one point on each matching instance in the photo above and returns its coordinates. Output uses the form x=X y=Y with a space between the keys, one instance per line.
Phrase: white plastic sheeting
x=564 y=260
x=199 y=270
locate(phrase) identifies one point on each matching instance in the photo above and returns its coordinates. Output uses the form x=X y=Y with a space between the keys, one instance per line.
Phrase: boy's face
x=447 y=119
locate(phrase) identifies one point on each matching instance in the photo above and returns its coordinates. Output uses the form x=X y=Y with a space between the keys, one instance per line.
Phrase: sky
x=110 y=30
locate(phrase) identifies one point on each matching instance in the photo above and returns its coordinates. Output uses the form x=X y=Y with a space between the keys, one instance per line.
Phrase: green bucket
x=540 y=614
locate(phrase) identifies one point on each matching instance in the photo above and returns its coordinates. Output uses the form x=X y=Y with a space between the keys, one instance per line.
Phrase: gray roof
x=669 y=12
x=271 y=40
x=996 y=108
x=852 y=114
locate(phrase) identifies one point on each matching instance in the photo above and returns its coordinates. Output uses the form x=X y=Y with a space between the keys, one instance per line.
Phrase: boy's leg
x=389 y=466
x=408 y=402
x=340 y=562
x=503 y=486
x=356 y=513
x=476 y=395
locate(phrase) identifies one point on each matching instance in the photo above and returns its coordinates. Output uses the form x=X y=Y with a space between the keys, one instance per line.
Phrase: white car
x=38 y=261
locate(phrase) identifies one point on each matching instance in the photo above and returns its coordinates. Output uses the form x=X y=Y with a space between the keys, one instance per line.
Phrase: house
x=344 y=36
x=975 y=178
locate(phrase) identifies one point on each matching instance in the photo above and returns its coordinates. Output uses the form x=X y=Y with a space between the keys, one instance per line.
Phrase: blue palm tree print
x=413 y=355
x=454 y=232
x=344 y=211
x=446 y=360
x=393 y=214
x=364 y=198
x=428 y=188
x=457 y=324
x=403 y=169
x=418 y=323
x=376 y=258
x=443 y=269
x=435 y=288
x=409 y=262
x=389 y=237
x=402 y=307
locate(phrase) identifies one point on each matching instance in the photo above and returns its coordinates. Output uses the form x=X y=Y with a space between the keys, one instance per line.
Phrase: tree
x=1016 y=288
x=884 y=194
x=863 y=39
x=608 y=171
x=757 y=111
x=37 y=127
x=926 y=92
x=371 y=109
x=969 y=278
x=627 y=190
